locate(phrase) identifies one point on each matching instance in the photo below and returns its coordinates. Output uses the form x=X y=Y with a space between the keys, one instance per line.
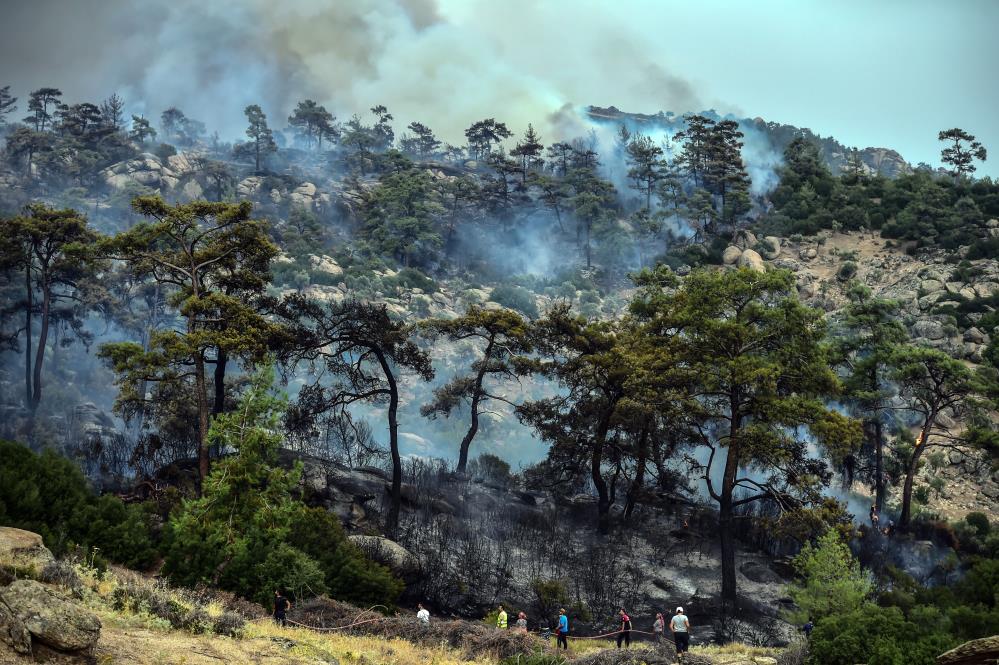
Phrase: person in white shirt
x=422 y=614
x=679 y=625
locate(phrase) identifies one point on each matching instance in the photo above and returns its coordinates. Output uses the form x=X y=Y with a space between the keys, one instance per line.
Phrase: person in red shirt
x=625 y=633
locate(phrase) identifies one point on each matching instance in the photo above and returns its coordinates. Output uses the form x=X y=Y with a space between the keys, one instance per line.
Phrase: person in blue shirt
x=563 y=631
x=807 y=628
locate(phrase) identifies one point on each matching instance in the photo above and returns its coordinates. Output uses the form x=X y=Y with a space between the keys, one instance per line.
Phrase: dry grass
x=126 y=639
x=136 y=631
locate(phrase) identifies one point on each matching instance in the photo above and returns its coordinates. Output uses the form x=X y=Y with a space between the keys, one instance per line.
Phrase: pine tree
x=483 y=134
x=260 y=134
x=8 y=104
x=39 y=102
x=501 y=335
x=647 y=166
x=528 y=150
x=957 y=155
x=872 y=331
x=141 y=130
x=210 y=257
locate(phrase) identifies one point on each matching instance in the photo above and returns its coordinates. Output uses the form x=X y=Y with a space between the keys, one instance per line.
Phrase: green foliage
x=831 y=582
x=411 y=278
x=515 y=297
x=249 y=534
x=347 y=574
x=980 y=522
x=491 y=469
x=847 y=271
x=882 y=636
x=48 y=494
x=400 y=216
x=164 y=151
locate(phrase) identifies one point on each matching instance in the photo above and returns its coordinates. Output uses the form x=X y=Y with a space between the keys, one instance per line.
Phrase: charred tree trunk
x=596 y=462
x=910 y=471
x=879 y=465
x=28 y=392
x=43 y=335
x=726 y=516
x=473 y=428
x=221 y=359
x=639 y=481
x=395 y=495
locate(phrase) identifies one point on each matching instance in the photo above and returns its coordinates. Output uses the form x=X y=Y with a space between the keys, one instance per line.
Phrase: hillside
x=660 y=361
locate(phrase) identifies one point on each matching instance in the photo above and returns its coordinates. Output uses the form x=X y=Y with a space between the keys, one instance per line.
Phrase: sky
x=890 y=73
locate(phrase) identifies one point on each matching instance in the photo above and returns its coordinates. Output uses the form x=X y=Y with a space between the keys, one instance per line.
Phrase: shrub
x=49 y=495
x=831 y=580
x=515 y=297
x=847 y=271
x=348 y=574
x=877 y=636
x=491 y=469
x=249 y=534
x=411 y=278
x=980 y=522
x=165 y=151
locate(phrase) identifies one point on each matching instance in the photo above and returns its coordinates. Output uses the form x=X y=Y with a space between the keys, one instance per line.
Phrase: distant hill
x=885 y=161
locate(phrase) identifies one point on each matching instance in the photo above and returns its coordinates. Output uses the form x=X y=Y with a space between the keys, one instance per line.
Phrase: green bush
x=249 y=533
x=980 y=522
x=411 y=278
x=515 y=297
x=847 y=271
x=164 y=151
x=49 y=495
x=347 y=574
x=879 y=636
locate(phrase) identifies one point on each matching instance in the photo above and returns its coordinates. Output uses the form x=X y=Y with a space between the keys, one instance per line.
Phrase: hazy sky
x=872 y=72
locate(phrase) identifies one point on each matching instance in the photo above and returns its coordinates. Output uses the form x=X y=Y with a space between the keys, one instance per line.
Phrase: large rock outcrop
x=22 y=548
x=50 y=620
x=390 y=554
x=975 y=652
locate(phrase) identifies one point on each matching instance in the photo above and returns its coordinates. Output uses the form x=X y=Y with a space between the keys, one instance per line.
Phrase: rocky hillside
x=922 y=284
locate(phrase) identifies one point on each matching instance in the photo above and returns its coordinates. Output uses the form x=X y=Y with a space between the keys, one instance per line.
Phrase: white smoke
x=444 y=64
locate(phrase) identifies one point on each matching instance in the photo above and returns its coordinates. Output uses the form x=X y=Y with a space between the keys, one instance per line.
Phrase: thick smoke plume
x=445 y=64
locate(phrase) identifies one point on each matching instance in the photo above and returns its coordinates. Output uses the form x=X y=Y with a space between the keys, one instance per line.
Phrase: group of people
x=679 y=626
x=886 y=529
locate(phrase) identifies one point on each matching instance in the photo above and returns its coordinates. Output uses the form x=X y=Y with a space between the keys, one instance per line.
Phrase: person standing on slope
x=423 y=614
x=562 y=634
x=679 y=625
x=501 y=618
x=625 y=633
x=659 y=627
x=281 y=606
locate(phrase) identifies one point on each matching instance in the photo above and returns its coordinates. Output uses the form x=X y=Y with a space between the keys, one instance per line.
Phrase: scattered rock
x=761 y=573
x=770 y=247
x=752 y=260
x=808 y=253
x=975 y=335
x=931 y=286
x=325 y=264
x=745 y=239
x=52 y=619
x=731 y=255
x=928 y=329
